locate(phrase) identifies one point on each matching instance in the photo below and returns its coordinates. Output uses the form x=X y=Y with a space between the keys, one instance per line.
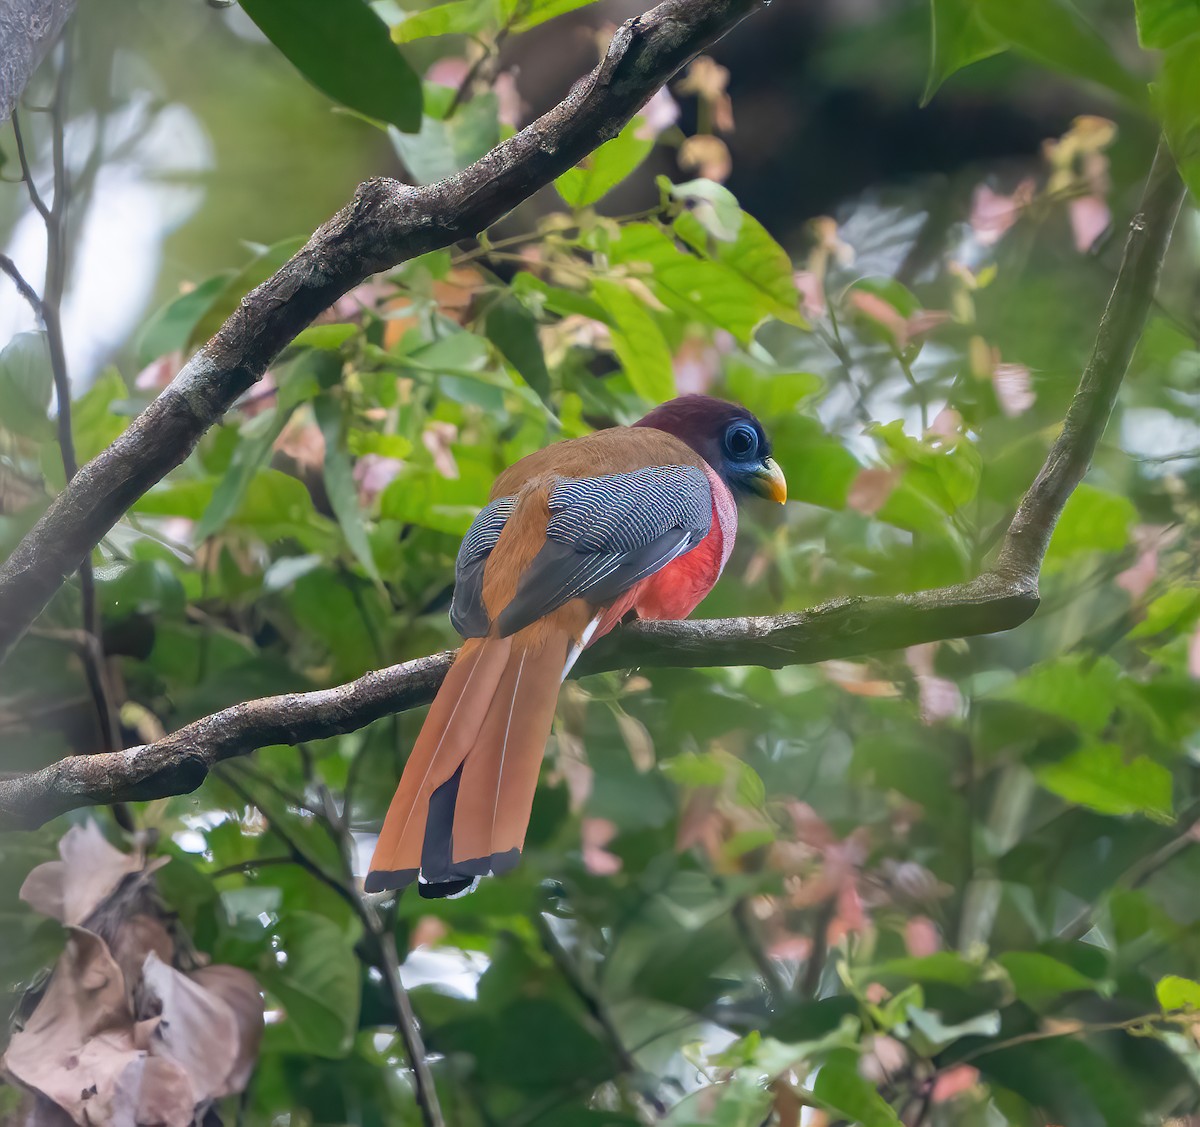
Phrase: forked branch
x=385 y=224
x=1000 y=599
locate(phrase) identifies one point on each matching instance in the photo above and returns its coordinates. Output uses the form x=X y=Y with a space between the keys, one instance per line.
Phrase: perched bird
x=576 y=536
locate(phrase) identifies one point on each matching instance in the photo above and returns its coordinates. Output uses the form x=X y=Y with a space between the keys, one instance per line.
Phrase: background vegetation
x=953 y=884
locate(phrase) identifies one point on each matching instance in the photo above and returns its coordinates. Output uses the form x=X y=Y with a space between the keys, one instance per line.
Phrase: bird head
x=728 y=437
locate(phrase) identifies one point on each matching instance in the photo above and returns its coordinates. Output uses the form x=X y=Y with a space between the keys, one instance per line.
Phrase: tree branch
x=386 y=223
x=997 y=600
x=1120 y=330
x=48 y=309
x=387 y=961
x=27 y=29
x=629 y=1069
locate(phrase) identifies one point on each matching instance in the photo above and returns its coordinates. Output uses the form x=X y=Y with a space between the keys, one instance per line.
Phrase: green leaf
x=330 y=337
x=712 y=205
x=340 y=485
x=1055 y=33
x=682 y=967
x=221 y=305
x=692 y=770
x=471 y=17
x=637 y=341
x=945 y=966
x=346 y=51
x=512 y=329
x=1176 y=610
x=521 y=15
x=460 y=17
x=756 y=258
x=26 y=385
x=1093 y=520
x=829 y=469
x=1175 y=993
x=421 y=496
x=1100 y=777
x=1052 y=32
x=1165 y=23
x=1039 y=979
x=603 y=169
x=930 y=1034
x=841 y=1088
x=176 y=499
x=770 y=393
x=944 y=474
x=360 y=442
x=958 y=38
x=1176 y=96
x=538 y=1042
x=274 y=501
x=443 y=147
x=702 y=290
x=92 y=420
x=1080 y=690
x=144 y=587
x=540 y=294
x=744 y=1101
x=171 y=327
x=254 y=447
x=319 y=984
x=1067 y=1082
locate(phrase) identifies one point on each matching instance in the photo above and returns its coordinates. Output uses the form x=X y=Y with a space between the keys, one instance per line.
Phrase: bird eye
x=741 y=441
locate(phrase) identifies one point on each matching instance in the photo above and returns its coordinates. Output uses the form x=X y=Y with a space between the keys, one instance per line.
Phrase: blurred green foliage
x=954 y=885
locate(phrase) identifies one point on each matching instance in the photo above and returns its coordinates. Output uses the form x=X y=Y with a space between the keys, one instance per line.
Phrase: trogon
x=576 y=536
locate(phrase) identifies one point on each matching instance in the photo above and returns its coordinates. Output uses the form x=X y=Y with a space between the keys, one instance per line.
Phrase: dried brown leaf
x=70 y=890
x=79 y=1039
x=150 y=1092
x=241 y=994
x=198 y=1030
x=638 y=740
x=134 y=939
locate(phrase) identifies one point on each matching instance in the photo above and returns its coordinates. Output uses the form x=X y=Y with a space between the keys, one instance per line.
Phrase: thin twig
x=23 y=287
x=594 y=1005
x=917 y=387
x=1140 y=871
x=56 y=266
x=250 y=866
x=1120 y=330
x=406 y=1023
x=296 y=851
x=815 y=964
x=1145 y=1020
x=484 y=68
x=35 y=197
x=48 y=308
x=387 y=961
x=833 y=341
x=263 y=779
x=748 y=932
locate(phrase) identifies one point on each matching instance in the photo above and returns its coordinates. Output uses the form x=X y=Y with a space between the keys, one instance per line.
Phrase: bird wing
x=467 y=613
x=606 y=533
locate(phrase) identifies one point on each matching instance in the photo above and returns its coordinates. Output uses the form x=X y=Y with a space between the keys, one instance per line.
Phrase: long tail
x=463 y=803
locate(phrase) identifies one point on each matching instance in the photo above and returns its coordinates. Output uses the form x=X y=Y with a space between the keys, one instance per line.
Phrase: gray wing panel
x=607 y=533
x=467 y=612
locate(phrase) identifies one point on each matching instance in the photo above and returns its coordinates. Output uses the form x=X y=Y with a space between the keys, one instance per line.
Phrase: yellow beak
x=769 y=481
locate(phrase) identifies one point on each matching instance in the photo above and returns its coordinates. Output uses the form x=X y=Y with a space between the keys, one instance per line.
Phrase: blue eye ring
x=741 y=442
